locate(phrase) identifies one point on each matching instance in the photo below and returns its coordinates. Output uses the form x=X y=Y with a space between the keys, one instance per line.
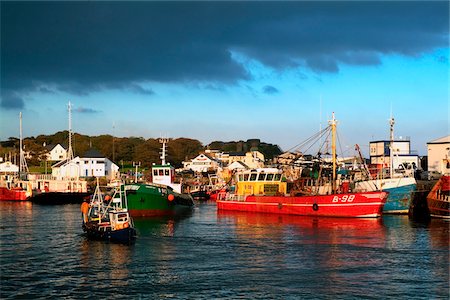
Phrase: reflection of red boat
x=340 y=230
x=13 y=194
x=438 y=199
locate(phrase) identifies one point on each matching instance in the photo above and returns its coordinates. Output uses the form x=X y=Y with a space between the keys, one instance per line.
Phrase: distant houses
x=56 y=152
x=212 y=160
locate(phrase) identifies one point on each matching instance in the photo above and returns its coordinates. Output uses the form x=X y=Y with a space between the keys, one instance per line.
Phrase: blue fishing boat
x=399 y=182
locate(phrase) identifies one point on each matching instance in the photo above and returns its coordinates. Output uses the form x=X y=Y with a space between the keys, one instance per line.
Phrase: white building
x=439 y=155
x=8 y=168
x=56 y=152
x=92 y=164
x=401 y=154
x=201 y=163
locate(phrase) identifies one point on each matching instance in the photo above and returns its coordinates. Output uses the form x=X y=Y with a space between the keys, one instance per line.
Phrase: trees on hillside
x=132 y=149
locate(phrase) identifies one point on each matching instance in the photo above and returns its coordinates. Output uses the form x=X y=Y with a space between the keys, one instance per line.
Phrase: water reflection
x=369 y=232
x=106 y=262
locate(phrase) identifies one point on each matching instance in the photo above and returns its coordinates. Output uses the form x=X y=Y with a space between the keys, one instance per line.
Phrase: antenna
x=113 y=154
x=391 y=144
x=70 y=151
x=23 y=168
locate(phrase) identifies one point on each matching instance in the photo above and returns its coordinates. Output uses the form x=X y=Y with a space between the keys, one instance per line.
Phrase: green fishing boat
x=160 y=197
x=155 y=200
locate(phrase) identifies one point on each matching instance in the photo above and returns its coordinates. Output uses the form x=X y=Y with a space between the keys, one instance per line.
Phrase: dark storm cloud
x=80 y=47
x=10 y=100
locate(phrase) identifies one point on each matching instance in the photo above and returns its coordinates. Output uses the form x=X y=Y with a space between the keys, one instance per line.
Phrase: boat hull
x=361 y=205
x=13 y=194
x=438 y=200
x=400 y=192
x=52 y=198
x=147 y=200
x=95 y=232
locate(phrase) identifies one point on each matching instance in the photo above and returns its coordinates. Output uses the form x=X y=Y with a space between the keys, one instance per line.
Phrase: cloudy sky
x=227 y=70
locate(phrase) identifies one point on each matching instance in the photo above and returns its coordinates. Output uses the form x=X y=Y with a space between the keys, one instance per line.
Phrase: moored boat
x=152 y=199
x=161 y=197
x=400 y=191
x=263 y=190
x=400 y=185
x=14 y=194
x=438 y=200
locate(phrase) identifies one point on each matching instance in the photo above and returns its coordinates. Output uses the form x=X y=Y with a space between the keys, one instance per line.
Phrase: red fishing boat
x=14 y=194
x=438 y=199
x=264 y=190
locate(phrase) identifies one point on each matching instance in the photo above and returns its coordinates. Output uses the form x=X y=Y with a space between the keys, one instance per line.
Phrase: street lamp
x=136 y=164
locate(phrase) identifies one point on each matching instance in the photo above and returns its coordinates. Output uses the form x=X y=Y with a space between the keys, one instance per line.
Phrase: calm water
x=211 y=255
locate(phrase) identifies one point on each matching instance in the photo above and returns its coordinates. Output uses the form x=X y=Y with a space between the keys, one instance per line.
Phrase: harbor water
x=215 y=255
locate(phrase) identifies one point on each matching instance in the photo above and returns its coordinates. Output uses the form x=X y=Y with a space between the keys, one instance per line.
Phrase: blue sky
x=227 y=70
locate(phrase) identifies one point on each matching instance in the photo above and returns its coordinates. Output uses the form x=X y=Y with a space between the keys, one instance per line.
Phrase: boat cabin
x=263 y=181
x=165 y=175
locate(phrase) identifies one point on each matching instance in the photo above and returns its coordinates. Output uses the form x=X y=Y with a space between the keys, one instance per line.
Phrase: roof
x=442 y=140
x=237 y=164
x=236 y=153
x=93 y=153
x=50 y=147
x=60 y=163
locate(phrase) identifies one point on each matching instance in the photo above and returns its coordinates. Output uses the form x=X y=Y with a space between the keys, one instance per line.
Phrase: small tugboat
x=438 y=199
x=108 y=219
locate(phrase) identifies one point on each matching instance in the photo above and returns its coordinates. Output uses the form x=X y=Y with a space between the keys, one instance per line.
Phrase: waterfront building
x=91 y=164
x=439 y=155
x=9 y=168
x=403 y=158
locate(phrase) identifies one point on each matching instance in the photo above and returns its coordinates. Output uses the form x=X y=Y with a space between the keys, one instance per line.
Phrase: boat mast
x=163 y=141
x=70 y=151
x=333 y=123
x=23 y=168
x=391 y=146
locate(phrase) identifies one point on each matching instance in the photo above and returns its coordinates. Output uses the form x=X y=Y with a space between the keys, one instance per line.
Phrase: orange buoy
x=171 y=197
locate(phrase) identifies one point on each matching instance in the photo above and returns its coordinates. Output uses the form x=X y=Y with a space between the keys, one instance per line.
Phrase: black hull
x=200 y=196
x=59 y=198
x=183 y=200
x=122 y=236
